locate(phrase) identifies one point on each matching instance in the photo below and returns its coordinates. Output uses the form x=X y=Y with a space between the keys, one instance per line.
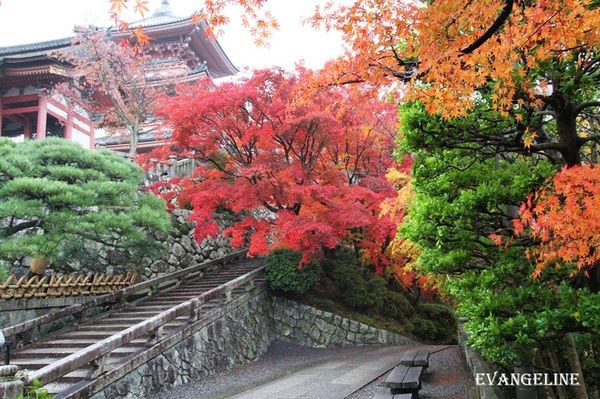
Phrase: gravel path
x=447 y=376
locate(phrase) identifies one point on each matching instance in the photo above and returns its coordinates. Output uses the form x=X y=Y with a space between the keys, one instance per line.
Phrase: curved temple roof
x=162 y=27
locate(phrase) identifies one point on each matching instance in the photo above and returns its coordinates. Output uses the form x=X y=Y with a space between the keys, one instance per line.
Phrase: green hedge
x=284 y=275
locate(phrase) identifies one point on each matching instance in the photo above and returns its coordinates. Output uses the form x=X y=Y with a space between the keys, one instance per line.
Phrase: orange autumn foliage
x=255 y=18
x=444 y=50
x=565 y=218
x=401 y=252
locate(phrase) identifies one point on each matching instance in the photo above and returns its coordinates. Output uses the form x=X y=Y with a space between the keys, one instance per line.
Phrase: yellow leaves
x=117 y=6
x=141 y=7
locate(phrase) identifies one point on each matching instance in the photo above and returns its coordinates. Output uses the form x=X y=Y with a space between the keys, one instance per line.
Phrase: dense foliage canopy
x=66 y=203
x=308 y=172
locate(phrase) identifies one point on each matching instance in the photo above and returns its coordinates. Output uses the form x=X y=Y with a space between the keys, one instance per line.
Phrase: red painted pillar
x=42 y=117
x=92 y=137
x=69 y=125
x=27 y=128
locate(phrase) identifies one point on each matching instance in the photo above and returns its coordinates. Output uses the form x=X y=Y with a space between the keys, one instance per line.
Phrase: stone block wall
x=179 y=250
x=316 y=328
x=182 y=250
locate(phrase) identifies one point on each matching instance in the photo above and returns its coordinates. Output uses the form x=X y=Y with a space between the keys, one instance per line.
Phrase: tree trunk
x=133 y=142
x=554 y=364
x=525 y=391
x=566 y=124
x=575 y=365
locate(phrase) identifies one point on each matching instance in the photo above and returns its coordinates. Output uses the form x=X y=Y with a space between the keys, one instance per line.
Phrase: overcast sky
x=27 y=21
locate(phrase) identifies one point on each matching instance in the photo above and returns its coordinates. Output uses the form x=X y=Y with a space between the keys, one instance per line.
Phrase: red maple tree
x=306 y=172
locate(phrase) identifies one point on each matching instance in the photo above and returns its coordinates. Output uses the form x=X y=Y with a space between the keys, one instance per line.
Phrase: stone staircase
x=61 y=361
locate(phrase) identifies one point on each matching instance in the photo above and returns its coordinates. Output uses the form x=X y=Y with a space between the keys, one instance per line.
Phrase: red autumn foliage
x=307 y=172
x=565 y=218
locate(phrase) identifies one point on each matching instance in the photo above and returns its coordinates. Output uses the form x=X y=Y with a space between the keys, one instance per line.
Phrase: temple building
x=179 y=48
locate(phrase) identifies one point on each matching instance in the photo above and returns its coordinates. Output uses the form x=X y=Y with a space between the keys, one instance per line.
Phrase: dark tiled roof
x=111 y=140
x=31 y=47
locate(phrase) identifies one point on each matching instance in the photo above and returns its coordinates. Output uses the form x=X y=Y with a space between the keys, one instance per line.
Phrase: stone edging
x=476 y=364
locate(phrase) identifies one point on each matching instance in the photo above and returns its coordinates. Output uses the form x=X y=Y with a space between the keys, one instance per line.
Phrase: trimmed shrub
x=434 y=322
x=354 y=289
x=284 y=275
x=396 y=306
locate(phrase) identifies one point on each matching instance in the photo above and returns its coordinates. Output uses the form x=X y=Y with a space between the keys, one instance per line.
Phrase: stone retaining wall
x=312 y=327
x=179 y=250
x=182 y=250
x=239 y=335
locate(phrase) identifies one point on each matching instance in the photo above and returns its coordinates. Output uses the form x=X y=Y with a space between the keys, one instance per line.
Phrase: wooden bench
x=405 y=379
x=392 y=396
x=412 y=358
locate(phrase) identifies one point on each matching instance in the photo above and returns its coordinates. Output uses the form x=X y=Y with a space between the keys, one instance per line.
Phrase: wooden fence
x=64 y=285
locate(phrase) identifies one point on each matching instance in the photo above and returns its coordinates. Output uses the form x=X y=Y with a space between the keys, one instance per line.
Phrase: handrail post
x=155 y=336
x=195 y=310
x=100 y=365
x=225 y=298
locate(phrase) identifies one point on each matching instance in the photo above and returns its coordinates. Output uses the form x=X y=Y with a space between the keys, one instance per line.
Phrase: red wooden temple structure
x=179 y=47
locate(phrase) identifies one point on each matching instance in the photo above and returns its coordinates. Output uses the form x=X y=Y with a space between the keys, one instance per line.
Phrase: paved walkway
x=333 y=379
x=289 y=371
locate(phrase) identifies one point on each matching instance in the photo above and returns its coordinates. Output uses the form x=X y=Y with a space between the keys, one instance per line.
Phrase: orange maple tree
x=565 y=218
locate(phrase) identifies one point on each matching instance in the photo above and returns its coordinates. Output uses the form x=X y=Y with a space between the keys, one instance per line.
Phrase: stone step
x=86 y=334
x=65 y=351
x=82 y=343
x=56 y=387
x=135 y=314
x=111 y=328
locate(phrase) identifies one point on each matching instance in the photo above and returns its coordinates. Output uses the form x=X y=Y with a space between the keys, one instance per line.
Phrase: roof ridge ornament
x=164 y=9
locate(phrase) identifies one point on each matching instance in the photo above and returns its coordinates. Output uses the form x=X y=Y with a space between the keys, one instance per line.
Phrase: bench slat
x=412 y=378
x=408 y=358
x=421 y=359
x=395 y=378
x=392 y=396
x=383 y=396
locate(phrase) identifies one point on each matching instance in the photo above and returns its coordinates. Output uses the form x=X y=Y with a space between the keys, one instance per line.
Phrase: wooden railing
x=99 y=352
x=64 y=285
x=20 y=334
